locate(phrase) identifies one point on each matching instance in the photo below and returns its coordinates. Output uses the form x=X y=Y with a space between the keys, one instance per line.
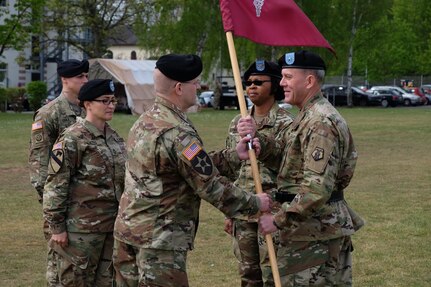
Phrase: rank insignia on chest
x=318 y=153
x=57 y=157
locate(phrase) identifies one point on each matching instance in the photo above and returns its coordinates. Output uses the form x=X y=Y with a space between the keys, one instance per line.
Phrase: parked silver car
x=427 y=91
x=408 y=98
x=205 y=99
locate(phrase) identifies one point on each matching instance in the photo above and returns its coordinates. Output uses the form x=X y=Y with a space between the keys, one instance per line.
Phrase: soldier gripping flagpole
x=252 y=155
x=266 y=23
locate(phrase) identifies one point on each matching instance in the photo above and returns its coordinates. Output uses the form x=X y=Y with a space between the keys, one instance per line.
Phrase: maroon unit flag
x=271 y=22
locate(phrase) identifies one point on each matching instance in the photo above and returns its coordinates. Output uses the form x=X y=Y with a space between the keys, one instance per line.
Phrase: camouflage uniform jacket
x=167 y=174
x=319 y=158
x=48 y=123
x=276 y=122
x=85 y=179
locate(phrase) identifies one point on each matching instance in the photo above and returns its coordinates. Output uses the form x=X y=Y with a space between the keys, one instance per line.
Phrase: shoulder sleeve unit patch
x=199 y=159
x=57 y=157
x=37 y=125
x=192 y=150
x=320 y=150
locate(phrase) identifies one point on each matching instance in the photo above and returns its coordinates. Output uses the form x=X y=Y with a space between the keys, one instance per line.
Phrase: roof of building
x=123 y=36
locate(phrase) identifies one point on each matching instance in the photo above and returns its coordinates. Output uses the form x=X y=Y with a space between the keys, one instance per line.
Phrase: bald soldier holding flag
x=168 y=172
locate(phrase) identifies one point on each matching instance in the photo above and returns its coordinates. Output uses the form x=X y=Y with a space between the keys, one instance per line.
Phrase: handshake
x=266 y=224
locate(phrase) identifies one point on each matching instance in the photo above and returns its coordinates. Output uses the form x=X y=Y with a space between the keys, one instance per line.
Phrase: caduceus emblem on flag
x=258 y=4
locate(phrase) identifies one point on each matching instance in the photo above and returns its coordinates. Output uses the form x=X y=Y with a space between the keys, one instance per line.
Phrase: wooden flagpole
x=252 y=155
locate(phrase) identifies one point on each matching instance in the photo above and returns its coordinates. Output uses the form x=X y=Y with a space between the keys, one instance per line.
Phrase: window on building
x=3 y=73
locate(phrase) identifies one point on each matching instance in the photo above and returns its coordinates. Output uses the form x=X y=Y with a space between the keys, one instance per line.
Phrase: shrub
x=36 y=92
x=3 y=100
x=15 y=97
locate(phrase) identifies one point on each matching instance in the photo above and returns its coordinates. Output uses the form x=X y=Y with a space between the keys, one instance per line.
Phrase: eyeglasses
x=255 y=82
x=106 y=102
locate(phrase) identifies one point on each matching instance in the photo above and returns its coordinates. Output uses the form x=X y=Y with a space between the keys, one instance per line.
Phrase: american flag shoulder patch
x=192 y=150
x=58 y=145
x=37 y=125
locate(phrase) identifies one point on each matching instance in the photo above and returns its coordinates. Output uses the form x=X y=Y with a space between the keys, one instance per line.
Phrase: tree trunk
x=350 y=60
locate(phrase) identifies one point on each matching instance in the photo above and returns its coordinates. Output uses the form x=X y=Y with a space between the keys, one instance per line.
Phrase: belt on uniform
x=288 y=197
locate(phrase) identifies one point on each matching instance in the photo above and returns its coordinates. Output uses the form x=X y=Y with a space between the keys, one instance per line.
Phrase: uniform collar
x=271 y=117
x=94 y=130
x=311 y=101
x=74 y=109
x=172 y=107
x=308 y=105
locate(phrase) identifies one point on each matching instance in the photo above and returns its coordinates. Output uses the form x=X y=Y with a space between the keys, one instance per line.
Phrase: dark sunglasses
x=255 y=82
x=106 y=102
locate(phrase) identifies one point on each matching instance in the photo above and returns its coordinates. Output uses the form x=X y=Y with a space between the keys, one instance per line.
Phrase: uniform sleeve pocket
x=318 y=153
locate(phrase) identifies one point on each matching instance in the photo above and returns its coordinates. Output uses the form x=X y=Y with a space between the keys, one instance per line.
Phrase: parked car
x=419 y=92
x=205 y=99
x=229 y=99
x=427 y=91
x=386 y=98
x=364 y=88
x=337 y=95
x=408 y=98
x=284 y=105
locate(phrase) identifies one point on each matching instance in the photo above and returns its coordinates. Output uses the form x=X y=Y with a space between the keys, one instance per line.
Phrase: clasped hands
x=246 y=128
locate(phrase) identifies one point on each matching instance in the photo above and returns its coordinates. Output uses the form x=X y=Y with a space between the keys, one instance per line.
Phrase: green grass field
x=391 y=189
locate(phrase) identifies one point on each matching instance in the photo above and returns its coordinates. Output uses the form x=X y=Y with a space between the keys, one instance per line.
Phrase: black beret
x=302 y=60
x=261 y=67
x=72 y=68
x=181 y=68
x=96 y=88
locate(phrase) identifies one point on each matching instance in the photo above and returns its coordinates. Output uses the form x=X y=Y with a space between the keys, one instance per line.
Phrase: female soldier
x=85 y=182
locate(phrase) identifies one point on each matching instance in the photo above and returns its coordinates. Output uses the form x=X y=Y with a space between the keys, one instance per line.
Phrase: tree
x=36 y=92
x=88 y=25
x=20 y=24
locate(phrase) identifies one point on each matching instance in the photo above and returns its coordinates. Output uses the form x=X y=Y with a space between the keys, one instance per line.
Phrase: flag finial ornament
x=258 y=4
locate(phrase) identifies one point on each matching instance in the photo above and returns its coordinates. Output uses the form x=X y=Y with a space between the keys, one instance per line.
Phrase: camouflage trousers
x=334 y=269
x=86 y=261
x=145 y=267
x=51 y=260
x=250 y=249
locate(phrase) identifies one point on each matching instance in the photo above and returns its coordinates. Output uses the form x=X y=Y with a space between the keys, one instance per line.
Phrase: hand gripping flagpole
x=251 y=153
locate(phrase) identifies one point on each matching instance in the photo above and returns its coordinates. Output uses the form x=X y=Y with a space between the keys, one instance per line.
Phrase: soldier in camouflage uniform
x=48 y=123
x=168 y=172
x=316 y=166
x=262 y=80
x=85 y=182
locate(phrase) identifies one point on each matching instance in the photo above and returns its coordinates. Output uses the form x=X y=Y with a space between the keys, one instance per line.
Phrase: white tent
x=135 y=75
x=137 y=78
